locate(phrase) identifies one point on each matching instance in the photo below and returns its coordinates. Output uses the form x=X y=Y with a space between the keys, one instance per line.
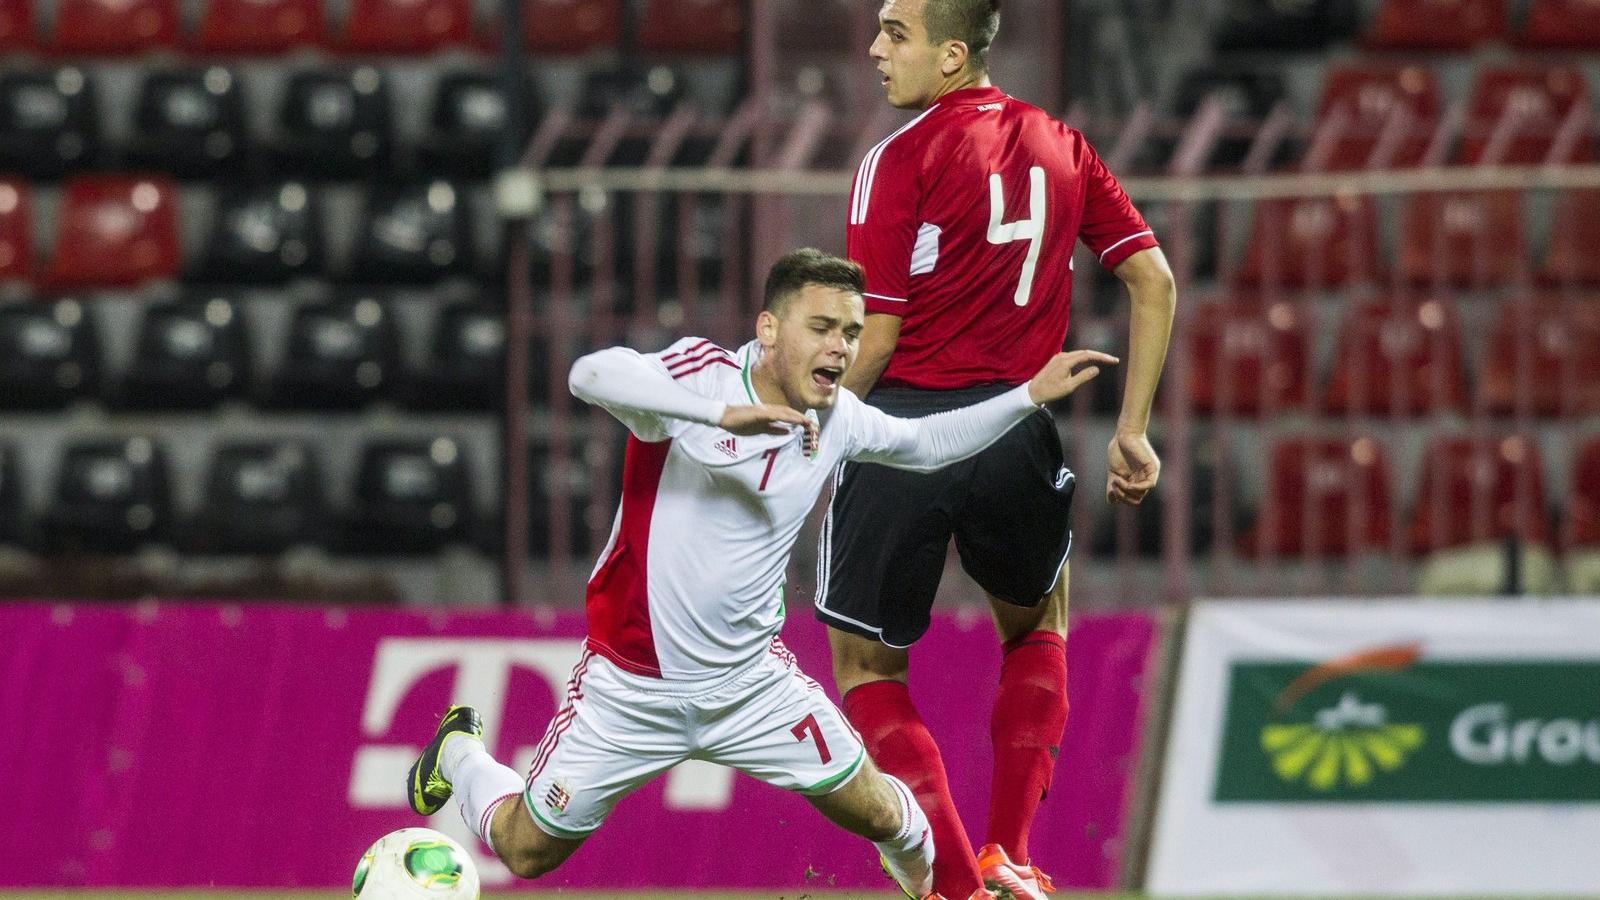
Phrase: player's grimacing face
x=815 y=342
x=907 y=60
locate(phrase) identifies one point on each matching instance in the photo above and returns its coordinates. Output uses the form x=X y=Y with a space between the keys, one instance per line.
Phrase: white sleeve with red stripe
x=652 y=394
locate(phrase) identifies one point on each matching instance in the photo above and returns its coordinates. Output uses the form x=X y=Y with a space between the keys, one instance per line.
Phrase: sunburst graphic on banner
x=1346 y=744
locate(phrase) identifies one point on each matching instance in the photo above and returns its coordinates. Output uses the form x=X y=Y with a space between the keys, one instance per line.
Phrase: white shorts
x=618 y=730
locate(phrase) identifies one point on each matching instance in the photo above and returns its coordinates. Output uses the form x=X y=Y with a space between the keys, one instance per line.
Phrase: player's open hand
x=1065 y=373
x=1133 y=468
x=767 y=418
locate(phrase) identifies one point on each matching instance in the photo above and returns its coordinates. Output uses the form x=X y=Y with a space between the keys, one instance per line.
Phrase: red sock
x=1030 y=715
x=901 y=745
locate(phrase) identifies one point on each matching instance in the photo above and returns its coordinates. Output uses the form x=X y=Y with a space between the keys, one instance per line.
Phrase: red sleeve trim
x=685 y=373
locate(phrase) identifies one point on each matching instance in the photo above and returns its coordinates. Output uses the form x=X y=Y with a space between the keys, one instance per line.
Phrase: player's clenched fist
x=1065 y=373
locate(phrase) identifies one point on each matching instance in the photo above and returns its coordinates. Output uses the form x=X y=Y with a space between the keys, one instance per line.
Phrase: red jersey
x=965 y=221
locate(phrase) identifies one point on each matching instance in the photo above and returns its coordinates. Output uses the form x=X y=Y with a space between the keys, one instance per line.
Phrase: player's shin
x=1030 y=715
x=481 y=784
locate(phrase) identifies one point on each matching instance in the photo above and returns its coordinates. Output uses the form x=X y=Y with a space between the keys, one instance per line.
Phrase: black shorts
x=883 y=544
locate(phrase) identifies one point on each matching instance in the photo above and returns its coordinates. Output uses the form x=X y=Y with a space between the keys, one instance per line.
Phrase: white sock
x=479 y=781
x=909 y=853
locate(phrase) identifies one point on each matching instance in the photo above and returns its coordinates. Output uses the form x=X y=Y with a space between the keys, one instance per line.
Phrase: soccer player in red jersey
x=965 y=221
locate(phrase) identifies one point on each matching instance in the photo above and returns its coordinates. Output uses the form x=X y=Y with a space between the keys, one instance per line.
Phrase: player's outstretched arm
x=923 y=445
x=639 y=393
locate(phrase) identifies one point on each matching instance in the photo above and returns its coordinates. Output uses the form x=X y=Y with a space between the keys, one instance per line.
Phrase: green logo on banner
x=1384 y=725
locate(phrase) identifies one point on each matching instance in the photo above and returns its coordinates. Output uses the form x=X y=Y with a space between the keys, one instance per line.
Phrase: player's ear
x=954 y=58
x=767 y=329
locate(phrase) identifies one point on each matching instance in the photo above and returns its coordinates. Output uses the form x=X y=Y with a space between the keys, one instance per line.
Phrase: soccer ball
x=415 y=864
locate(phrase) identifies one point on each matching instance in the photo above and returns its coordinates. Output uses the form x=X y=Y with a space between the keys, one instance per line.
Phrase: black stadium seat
x=415 y=234
x=260 y=497
x=48 y=123
x=190 y=355
x=264 y=234
x=466 y=362
x=468 y=119
x=11 y=500
x=111 y=496
x=49 y=354
x=341 y=355
x=411 y=496
x=336 y=124
x=190 y=123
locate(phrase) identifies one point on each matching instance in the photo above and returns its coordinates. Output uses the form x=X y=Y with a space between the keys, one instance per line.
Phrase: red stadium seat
x=1583 y=503
x=1574 y=235
x=16 y=242
x=1558 y=346
x=259 y=26
x=691 y=26
x=16 y=25
x=1436 y=24
x=1397 y=358
x=571 y=26
x=115 y=231
x=114 y=27
x=1540 y=98
x=1463 y=239
x=1312 y=242
x=407 y=26
x=1324 y=498
x=1571 y=24
x=1249 y=360
x=1479 y=491
x=1369 y=95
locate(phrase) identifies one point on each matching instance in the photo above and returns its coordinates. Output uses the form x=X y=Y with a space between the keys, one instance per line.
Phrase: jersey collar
x=973 y=96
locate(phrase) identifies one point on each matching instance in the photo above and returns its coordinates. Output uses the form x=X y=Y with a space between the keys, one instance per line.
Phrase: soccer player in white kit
x=683 y=658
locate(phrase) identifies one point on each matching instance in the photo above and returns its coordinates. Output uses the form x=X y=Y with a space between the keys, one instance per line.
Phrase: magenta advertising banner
x=211 y=745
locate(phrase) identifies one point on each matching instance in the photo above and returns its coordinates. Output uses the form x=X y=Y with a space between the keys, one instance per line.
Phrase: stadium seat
x=1312 y=242
x=260 y=497
x=1470 y=494
x=12 y=504
x=571 y=26
x=1540 y=98
x=1562 y=24
x=1436 y=24
x=190 y=355
x=1323 y=498
x=336 y=124
x=341 y=355
x=577 y=479
x=1463 y=239
x=1545 y=353
x=1248 y=360
x=16 y=26
x=16 y=229
x=1397 y=358
x=1256 y=25
x=411 y=496
x=713 y=27
x=189 y=123
x=413 y=234
x=115 y=27
x=1368 y=94
x=263 y=234
x=115 y=231
x=1583 y=498
x=468 y=119
x=1247 y=94
x=49 y=354
x=111 y=495
x=406 y=26
x=1570 y=257
x=259 y=26
x=466 y=363
x=48 y=121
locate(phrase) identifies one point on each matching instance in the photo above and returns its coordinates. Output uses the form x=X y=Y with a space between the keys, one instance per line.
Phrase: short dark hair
x=810 y=266
x=972 y=22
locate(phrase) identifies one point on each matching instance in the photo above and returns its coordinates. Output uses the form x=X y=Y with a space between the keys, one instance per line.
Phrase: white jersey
x=690 y=584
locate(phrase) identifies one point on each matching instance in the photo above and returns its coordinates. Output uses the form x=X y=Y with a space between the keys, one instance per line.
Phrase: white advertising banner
x=1383 y=748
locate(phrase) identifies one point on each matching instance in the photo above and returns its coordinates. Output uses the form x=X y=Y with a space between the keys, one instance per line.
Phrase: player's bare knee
x=858 y=660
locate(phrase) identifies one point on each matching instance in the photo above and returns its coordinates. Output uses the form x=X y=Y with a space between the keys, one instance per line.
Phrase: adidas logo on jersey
x=729 y=447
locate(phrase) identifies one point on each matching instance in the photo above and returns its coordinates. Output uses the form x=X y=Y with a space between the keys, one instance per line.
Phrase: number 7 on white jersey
x=1030 y=229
